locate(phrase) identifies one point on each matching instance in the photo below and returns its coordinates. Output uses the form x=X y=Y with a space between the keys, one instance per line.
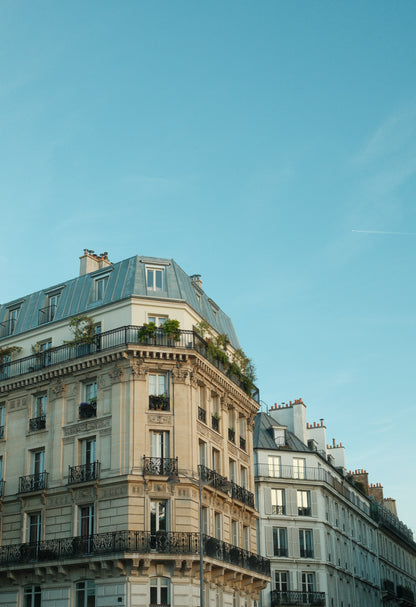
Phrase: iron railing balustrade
x=84 y=473
x=33 y=482
x=160 y=466
x=297 y=597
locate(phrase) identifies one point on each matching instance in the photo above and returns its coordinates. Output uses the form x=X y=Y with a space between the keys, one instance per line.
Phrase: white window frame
x=153 y=273
x=303 y=497
x=33 y=524
x=158 y=319
x=100 y=287
x=278 y=501
x=162 y=586
x=299 y=468
x=32 y=596
x=282 y=581
x=158 y=384
x=84 y=590
x=275 y=467
x=279 y=536
x=156 y=516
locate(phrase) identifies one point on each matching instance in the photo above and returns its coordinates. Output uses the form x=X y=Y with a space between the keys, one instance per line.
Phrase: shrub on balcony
x=146 y=332
x=88 y=409
x=171 y=329
x=8 y=351
x=83 y=329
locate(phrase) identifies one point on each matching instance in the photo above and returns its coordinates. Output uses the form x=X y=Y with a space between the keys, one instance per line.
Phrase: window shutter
x=267 y=493
x=268 y=538
x=314 y=503
x=317 y=544
x=293 y=542
x=291 y=502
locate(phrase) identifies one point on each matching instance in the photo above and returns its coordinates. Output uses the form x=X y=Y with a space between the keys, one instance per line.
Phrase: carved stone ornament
x=103 y=381
x=88 y=426
x=139 y=370
x=181 y=375
x=58 y=389
x=160 y=419
x=116 y=375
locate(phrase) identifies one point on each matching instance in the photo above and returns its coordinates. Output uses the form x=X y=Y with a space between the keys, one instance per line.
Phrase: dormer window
x=154 y=279
x=9 y=325
x=100 y=285
x=47 y=314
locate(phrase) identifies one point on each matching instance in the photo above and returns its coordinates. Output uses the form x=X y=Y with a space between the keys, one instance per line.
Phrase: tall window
x=100 y=286
x=1 y=475
x=278 y=501
x=34 y=527
x=216 y=460
x=299 y=468
x=2 y=420
x=308 y=582
x=205 y=520
x=281 y=581
x=160 y=452
x=91 y=391
x=32 y=596
x=279 y=541
x=232 y=470
x=304 y=503
x=53 y=304
x=85 y=594
x=218 y=525
x=243 y=476
x=202 y=453
x=38 y=421
x=38 y=462
x=154 y=279
x=246 y=537
x=306 y=543
x=158 y=384
x=11 y=321
x=159 y=591
x=234 y=533
x=86 y=526
x=159 y=521
x=274 y=466
x=89 y=456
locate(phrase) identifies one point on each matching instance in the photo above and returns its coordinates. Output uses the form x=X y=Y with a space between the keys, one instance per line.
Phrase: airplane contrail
x=380 y=232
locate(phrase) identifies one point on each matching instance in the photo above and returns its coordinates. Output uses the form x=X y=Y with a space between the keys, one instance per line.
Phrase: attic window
x=100 y=285
x=155 y=278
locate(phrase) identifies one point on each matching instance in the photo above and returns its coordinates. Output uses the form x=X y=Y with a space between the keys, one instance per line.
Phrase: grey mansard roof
x=126 y=279
x=263 y=435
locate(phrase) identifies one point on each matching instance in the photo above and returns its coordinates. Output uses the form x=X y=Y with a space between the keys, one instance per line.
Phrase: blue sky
x=268 y=146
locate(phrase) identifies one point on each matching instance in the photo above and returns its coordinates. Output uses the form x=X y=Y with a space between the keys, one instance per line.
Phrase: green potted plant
x=83 y=329
x=147 y=333
x=171 y=329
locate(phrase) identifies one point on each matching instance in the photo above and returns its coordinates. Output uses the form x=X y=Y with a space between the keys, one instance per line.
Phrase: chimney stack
x=90 y=262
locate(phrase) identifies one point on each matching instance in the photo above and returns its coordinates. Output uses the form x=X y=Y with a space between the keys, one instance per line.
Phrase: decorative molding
x=57 y=389
x=160 y=419
x=87 y=426
x=116 y=375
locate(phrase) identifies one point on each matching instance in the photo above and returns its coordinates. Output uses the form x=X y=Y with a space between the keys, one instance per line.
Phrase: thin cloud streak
x=381 y=232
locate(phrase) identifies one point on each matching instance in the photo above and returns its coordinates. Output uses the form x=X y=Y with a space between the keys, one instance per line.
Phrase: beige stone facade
x=100 y=453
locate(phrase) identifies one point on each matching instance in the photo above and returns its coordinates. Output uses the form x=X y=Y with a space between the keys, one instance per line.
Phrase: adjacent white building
x=330 y=543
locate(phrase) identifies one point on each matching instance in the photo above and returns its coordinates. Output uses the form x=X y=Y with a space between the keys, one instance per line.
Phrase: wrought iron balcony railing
x=306 y=553
x=33 y=482
x=221 y=483
x=202 y=415
x=37 y=423
x=84 y=473
x=47 y=314
x=242 y=495
x=159 y=402
x=304 y=511
x=215 y=423
x=141 y=542
x=280 y=552
x=278 y=509
x=231 y=435
x=160 y=466
x=122 y=336
x=242 y=443
x=297 y=597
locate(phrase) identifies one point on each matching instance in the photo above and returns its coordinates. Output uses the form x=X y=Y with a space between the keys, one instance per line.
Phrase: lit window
x=32 y=596
x=154 y=278
x=278 y=501
x=304 y=503
x=85 y=593
x=298 y=468
x=274 y=466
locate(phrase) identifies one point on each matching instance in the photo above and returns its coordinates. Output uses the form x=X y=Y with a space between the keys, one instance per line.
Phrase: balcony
x=139 y=542
x=37 y=423
x=278 y=509
x=88 y=410
x=242 y=443
x=280 y=552
x=214 y=479
x=304 y=511
x=231 y=435
x=215 y=423
x=159 y=402
x=202 y=415
x=242 y=495
x=116 y=338
x=84 y=473
x=298 y=598
x=33 y=482
x=160 y=466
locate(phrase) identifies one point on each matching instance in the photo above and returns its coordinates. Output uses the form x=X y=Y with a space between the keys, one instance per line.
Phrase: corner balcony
x=160 y=466
x=84 y=473
x=33 y=482
x=131 y=542
x=109 y=340
x=221 y=483
x=159 y=402
x=298 y=598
